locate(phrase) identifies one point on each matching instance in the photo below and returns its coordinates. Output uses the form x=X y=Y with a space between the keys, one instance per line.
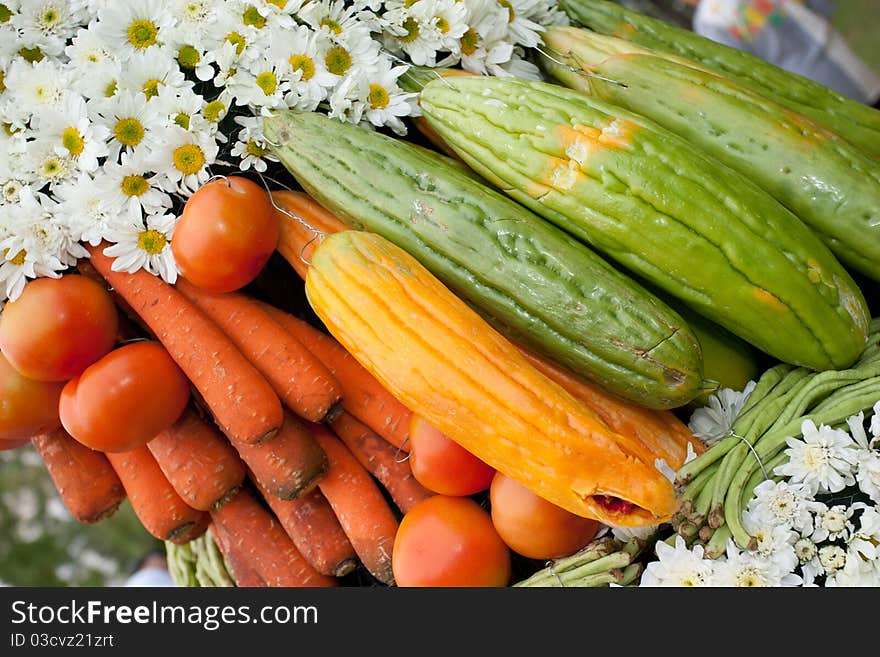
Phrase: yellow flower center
x=378 y=96
x=73 y=141
x=9 y=129
x=182 y=120
x=31 y=54
x=215 y=111
x=409 y=3
x=304 y=64
x=5 y=13
x=110 y=90
x=134 y=185
x=253 y=17
x=268 y=82
x=511 y=14
x=19 y=258
x=53 y=167
x=442 y=25
x=253 y=148
x=188 y=57
x=331 y=25
x=469 y=42
x=338 y=60
x=2 y=81
x=238 y=41
x=142 y=33
x=93 y=58
x=411 y=26
x=151 y=88
x=129 y=131
x=152 y=241
x=281 y=4
x=188 y=159
x=48 y=18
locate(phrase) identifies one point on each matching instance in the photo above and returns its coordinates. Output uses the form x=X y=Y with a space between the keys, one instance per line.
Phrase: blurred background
x=41 y=544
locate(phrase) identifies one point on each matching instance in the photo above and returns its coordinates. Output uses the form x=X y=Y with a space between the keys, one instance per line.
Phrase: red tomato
x=125 y=399
x=442 y=465
x=226 y=234
x=534 y=527
x=58 y=327
x=27 y=407
x=449 y=541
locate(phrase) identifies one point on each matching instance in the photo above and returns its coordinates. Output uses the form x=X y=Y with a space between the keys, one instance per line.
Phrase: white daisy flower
x=517 y=66
x=32 y=86
x=250 y=147
x=227 y=28
x=383 y=100
x=88 y=211
x=449 y=17
x=145 y=245
x=832 y=557
x=133 y=122
x=262 y=84
x=130 y=186
x=9 y=45
x=183 y=159
x=193 y=16
x=46 y=165
x=68 y=127
x=856 y=572
x=808 y=557
x=38 y=243
x=866 y=539
x=547 y=13
x=742 y=568
x=678 y=566
x=775 y=542
x=343 y=57
x=46 y=24
x=715 y=421
x=868 y=474
x=415 y=31
x=520 y=27
x=343 y=100
x=783 y=504
x=133 y=25
x=179 y=106
x=88 y=49
x=833 y=524
x=824 y=458
x=308 y=75
x=484 y=44
x=151 y=70
x=336 y=19
x=100 y=83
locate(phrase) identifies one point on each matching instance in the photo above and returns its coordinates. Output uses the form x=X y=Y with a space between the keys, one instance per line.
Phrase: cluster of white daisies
x=113 y=113
x=817 y=522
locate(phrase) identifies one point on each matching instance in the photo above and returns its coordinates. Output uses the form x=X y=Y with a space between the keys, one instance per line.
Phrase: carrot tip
x=181 y=533
x=344 y=567
x=333 y=412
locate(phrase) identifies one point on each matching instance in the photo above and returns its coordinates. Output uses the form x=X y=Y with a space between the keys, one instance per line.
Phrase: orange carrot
x=363 y=512
x=236 y=563
x=661 y=432
x=258 y=538
x=162 y=512
x=289 y=464
x=84 y=478
x=297 y=241
x=315 y=530
x=362 y=394
x=299 y=378
x=381 y=459
x=198 y=460
x=239 y=397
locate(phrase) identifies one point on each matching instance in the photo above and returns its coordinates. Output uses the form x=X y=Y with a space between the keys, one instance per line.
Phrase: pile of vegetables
x=499 y=339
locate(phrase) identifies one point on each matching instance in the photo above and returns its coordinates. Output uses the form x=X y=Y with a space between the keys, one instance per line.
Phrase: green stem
x=717 y=545
x=580 y=576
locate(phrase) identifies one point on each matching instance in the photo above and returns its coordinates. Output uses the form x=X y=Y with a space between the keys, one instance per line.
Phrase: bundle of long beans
x=717 y=485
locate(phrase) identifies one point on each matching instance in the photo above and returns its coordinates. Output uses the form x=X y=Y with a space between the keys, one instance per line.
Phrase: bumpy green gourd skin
x=529 y=279
x=831 y=185
x=854 y=121
x=655 y=204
